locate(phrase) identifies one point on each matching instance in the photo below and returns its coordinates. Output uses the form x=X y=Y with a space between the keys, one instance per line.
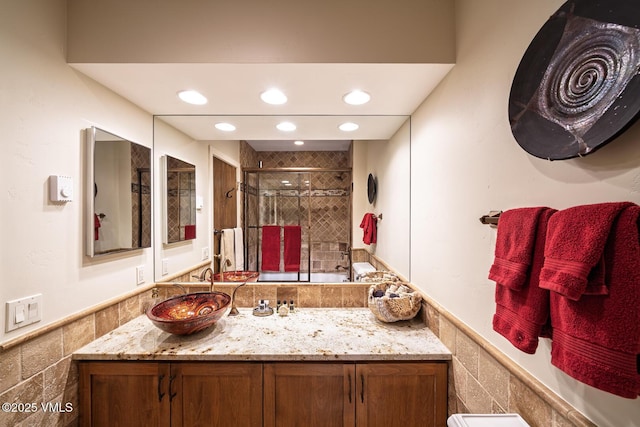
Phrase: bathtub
x=336 y=277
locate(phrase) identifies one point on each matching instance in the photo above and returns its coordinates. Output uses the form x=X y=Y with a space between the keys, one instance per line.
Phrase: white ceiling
x=314 y=94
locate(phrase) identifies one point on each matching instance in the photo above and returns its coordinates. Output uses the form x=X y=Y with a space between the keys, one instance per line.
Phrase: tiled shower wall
x=140 y=196
x=328 y=208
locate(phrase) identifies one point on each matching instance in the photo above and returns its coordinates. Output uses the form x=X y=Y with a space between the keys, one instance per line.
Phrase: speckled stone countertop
x=317 y=334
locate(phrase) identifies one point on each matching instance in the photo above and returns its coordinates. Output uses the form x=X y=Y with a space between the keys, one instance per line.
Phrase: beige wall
x=251 y=31
x=465 y=162
x=44 y=105
x=389 y=162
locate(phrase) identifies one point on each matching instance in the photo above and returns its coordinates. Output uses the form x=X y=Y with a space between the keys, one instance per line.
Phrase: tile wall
x=325 y=215
x=483 y=380
x=140 y=196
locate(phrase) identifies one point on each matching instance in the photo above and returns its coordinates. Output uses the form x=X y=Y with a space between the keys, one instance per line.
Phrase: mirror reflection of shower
x=318 y=201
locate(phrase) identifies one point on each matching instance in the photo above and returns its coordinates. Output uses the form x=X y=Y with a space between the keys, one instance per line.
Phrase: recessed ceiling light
x=192 y=97
x=273 y=97
x=356 y=97
x=284 y=182
x=348 y=127
x=225 y=127
x=286 y=126
x=298 y=142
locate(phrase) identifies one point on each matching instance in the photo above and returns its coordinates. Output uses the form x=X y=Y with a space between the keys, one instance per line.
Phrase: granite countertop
x=316 y=334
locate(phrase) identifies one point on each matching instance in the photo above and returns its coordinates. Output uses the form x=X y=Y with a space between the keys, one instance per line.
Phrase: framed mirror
x=179 y=201
x=118 y=177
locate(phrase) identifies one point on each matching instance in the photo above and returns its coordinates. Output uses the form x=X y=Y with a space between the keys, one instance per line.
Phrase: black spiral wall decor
x=577 y=85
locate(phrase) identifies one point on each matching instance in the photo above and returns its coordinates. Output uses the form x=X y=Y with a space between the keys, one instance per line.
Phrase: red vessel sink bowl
x=236 y=276
x=189 y=313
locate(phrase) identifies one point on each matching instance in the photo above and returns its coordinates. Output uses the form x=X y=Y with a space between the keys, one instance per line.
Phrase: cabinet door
x=309 y=394
x=401 y=394
x=124 y=394
x=216 y=394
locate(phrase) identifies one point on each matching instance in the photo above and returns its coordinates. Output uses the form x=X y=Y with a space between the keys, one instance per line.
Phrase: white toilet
x=486 y=420
x=360 y=268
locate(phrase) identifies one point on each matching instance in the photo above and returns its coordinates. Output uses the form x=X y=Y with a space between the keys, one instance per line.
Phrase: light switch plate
x=22 y=312
x=140 y=275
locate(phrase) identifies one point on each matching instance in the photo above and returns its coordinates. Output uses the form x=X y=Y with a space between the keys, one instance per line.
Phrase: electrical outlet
x=205 y=253
x=165 y=267
x=23 y=312
x=140 y=275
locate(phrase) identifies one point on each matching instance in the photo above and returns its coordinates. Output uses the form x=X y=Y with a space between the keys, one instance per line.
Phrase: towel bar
x=491 y=219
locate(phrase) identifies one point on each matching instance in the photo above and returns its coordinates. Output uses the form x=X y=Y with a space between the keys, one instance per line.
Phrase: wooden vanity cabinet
x=270 y=394
x=216 y=394
x=170 y=394
x=401 y=394
x=356 y=394
x=309 y=394
x=124 y=393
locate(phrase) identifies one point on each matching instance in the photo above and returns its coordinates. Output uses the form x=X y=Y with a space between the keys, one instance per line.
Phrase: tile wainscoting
x=482 y=379
x=37 y=367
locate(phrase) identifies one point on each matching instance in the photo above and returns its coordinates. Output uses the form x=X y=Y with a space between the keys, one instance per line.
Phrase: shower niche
x=318 y=201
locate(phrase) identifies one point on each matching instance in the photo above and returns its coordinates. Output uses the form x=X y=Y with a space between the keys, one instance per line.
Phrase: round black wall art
x=577 y=85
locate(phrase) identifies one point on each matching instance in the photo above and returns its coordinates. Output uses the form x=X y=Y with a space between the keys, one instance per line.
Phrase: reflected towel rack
x=491 y=218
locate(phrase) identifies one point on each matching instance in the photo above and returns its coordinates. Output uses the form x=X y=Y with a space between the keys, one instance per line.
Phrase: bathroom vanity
x=315 y=367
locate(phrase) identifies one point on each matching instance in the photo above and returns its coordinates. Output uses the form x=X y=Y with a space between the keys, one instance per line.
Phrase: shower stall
x=316 y=200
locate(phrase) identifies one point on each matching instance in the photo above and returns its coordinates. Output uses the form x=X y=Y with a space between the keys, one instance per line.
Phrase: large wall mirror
x=118 y=194
x=382 y=148
x=179 y=201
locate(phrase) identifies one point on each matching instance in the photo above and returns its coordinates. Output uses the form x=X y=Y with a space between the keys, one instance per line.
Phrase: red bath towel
x=596 y=339
x=96 y=227
x=292 y=244
x=523 y=315
x=270 y=248
x=575 y=246
x=369 y=225
x=189 y=232
x=514 y=246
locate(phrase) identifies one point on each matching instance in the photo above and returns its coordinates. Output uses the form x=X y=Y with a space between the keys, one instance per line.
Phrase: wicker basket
x=379 y=276
x=399 y=302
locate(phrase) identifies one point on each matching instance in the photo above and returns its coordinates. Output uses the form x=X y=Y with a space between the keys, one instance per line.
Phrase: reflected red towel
x=189 y=232
x=369 y=225
x=575 y=245
x=523 y=315
x=515 y=246
x=292 y=244
x=96 y=227
x=270 y=248
x=596 y=339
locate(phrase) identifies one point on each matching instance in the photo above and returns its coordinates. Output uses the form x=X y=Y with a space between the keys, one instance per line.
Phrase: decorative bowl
x=189 y=313
x=236 y=276
x=393 y=301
